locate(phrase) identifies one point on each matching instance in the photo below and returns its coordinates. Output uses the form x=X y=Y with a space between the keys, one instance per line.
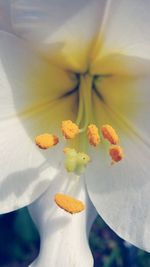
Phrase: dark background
x=19 y=244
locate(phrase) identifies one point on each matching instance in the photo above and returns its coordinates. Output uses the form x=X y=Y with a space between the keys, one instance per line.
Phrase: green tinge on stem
x=80 y=109
x=85 y=106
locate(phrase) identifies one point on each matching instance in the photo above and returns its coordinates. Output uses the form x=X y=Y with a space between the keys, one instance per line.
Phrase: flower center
x=84 y=126
x=89 y=133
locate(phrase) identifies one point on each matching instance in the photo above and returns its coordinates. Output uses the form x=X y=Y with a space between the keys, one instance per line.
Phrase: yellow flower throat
x=76 y=161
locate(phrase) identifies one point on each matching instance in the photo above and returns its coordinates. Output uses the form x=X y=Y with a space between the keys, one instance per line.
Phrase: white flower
x=57 y=50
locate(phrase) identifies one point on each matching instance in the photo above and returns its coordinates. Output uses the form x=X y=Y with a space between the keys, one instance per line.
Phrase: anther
x=46 y=140
x=116 y=153
x=69 y=203
x=69 y=129
x=110 y=134
x=93 y=135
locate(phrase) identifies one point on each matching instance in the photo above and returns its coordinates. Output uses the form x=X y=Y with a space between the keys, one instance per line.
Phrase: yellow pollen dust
x=69 y=129
x=67 y=150
x=93 y=135
x=69 y=203
x=110 y=134
x=116 y=153
x=46 y=140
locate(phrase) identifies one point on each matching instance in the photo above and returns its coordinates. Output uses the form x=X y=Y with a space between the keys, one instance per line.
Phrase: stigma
x=69 y=203
x=75 y=162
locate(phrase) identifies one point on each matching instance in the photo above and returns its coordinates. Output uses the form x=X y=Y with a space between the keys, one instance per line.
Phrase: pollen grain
x=69 y=129
x=69 y=203
x=116 y=153
x=46 y=140
x=93 y=135
x=67 y=150
x=110 y=134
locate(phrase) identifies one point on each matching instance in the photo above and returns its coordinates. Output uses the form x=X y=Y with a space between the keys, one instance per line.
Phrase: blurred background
x=19 y=244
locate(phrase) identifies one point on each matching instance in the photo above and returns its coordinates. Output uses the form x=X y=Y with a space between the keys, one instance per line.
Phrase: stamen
x=46 y=140
x=93 y=135
x=110 y=134
x=116 y=153
x=69 y=203
x=69 y=129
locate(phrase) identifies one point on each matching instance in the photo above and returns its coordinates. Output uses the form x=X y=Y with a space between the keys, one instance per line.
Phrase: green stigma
x=75 y=162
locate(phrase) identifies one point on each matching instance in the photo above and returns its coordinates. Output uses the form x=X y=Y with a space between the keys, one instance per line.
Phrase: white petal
x=63 y=236
x=117 y=64
x=64 y=30
x=5 y=15
x=28 y=107
x=120 y=192
x=125 y=29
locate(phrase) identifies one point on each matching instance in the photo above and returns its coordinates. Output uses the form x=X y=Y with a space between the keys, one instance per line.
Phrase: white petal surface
x=125 y=29
x=64 y=240
x=121 y=192
x=62 y=29
x=5 y=15
x=29 y=89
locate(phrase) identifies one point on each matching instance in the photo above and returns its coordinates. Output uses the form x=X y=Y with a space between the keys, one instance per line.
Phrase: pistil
x=75 y=161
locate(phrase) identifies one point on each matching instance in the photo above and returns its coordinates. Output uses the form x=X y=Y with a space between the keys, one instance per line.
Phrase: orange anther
x=93 y=135
x=69 y=129
x=110 y=134
x=69 y=203
x=45 y=141
x=116 y=153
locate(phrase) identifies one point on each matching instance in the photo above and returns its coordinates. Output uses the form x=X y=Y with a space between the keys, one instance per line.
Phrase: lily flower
x=74 y=121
